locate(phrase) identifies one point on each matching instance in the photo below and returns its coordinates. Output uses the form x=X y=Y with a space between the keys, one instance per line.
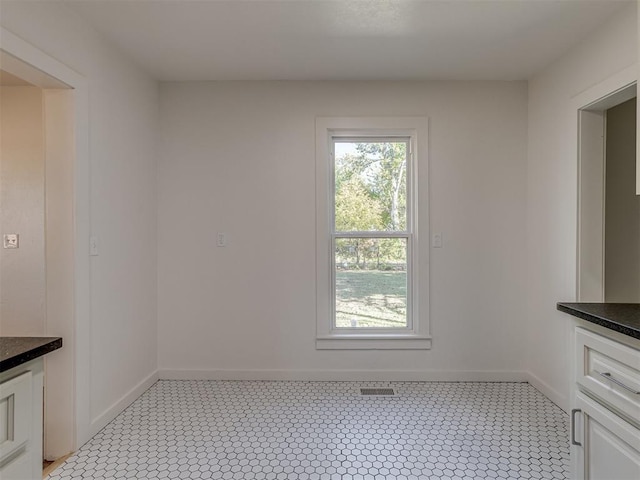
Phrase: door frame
x=591 y=106
x=20 y=57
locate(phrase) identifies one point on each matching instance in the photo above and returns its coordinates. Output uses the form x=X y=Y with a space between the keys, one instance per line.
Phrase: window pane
x=371 y=282
x=370 y=186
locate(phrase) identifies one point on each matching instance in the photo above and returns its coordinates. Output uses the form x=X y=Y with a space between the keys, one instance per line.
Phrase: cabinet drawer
x=15 y=416
x=609 y=370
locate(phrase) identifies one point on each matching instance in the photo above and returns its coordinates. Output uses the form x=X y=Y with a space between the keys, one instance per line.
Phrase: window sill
x=373 y=342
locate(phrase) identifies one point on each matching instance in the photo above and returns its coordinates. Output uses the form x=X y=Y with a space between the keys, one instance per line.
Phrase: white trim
x=608 y=87
x=26 y=72
x=611 y=91
x=591 y=197
x=556 y=397
x=59 y=118
x=123 y=402
x=416 y=129
x=346 y=375
x=370 y=342
x=596 y=99
x=81 y=343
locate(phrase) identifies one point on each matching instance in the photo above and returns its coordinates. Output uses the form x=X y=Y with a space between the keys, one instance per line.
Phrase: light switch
x=436 y=241
x=11 y=240
x=93 y=246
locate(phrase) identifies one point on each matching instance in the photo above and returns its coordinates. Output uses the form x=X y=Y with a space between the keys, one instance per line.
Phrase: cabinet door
x=610 y=447
x=15 y=428
x=15 y=414
x=18 y=468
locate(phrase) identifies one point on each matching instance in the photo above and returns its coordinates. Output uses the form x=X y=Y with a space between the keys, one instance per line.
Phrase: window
x=372 y=276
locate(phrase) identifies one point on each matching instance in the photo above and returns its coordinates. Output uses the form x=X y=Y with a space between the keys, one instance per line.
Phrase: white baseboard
x=123 y=402
x=347 y=375
x=556 y=397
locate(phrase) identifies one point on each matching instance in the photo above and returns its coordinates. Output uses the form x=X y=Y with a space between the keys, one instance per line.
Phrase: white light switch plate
x=11 y=240
x=436 y=240
x=93 y=246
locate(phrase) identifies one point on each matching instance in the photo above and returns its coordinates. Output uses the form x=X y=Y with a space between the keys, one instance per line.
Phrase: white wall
x=239 y=158
x=552 y=192
x=22 y=153
x=123 y=119
x=622 y=225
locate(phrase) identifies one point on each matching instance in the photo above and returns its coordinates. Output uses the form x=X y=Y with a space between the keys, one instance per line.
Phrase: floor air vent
x=384 y=392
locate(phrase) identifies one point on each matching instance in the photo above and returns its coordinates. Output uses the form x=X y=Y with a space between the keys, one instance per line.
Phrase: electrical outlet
x=11 y=240
x=222 y=239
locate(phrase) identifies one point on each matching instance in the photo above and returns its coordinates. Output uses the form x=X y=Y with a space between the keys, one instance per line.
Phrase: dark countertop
x=15 y=351
x=620 y=317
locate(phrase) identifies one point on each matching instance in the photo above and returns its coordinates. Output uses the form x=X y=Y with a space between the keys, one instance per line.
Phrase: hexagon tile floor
x=327 y=430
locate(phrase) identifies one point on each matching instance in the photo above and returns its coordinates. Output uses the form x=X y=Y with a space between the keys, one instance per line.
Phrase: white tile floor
x=326 y=430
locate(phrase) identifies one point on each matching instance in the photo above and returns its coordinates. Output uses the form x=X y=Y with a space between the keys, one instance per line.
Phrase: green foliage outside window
x=371 y=195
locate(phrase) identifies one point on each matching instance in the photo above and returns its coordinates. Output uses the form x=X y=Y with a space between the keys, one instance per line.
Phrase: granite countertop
x=15 y=351
x=620 y=317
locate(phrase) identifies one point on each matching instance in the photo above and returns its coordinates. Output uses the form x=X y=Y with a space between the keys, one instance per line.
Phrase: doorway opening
x=37 y=279
x=608 y=207
x=622 y=207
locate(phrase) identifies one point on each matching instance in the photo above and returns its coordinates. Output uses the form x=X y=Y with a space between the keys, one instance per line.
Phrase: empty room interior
x=323 y=239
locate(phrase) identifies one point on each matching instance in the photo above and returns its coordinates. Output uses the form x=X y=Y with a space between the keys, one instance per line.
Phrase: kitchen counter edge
x=14 y=351
x=619 y=317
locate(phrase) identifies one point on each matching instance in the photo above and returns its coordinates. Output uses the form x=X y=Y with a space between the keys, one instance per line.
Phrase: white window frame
x=416 y=334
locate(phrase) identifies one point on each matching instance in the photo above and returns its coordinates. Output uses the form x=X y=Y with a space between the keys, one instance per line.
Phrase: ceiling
x=186 y=40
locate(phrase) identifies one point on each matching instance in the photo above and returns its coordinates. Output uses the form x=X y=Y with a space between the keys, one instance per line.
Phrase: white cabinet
x=609 y=371
x=605 y=416
x=608 y=447
x=21 y=422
